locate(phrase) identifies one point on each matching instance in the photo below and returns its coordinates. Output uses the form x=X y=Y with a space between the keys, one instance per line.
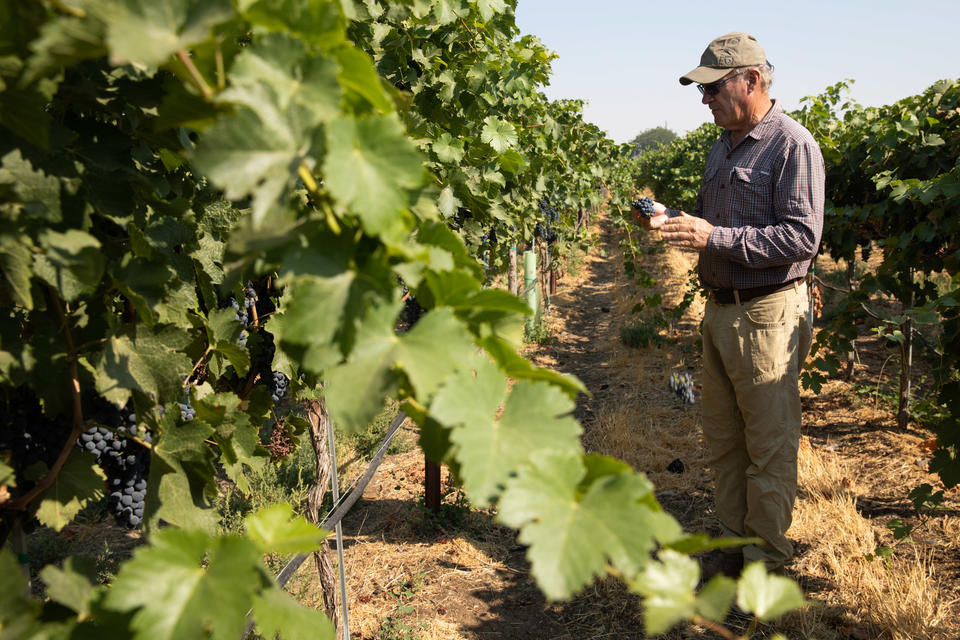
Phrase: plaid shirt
x=765 y=200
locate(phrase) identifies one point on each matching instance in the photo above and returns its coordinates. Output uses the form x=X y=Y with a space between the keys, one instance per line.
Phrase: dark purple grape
x=644 y=206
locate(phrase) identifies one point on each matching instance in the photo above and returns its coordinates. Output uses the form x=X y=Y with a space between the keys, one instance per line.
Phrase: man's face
x=729 y=105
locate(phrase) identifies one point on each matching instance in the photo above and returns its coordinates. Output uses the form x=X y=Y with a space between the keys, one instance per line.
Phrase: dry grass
x=899 y=598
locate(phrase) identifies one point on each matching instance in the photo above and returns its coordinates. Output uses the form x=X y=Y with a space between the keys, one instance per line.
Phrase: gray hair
x=766 y=76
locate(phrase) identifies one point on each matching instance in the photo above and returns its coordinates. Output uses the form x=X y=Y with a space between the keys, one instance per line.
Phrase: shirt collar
x=759 y=130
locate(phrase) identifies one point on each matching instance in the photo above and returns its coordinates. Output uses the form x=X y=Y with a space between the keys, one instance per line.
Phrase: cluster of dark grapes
x=242 y=318
x=644 y=206
x=264 y=351
x=277 y=383
x=125 y=462
x=544 y=231
x=549 y=214
x=27 y=436
x=461 y=216
x=411 y=313
x=243 y=314
x=682 y=385
x=187 y=412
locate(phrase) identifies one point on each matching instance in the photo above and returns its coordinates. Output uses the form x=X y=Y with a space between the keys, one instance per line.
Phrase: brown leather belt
x=729 y=296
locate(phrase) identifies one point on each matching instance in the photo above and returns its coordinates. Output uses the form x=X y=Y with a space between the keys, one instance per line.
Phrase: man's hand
x=685 y=231
x=659 y=216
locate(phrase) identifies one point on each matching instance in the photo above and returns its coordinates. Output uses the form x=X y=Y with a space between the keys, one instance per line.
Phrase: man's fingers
x=657 y=221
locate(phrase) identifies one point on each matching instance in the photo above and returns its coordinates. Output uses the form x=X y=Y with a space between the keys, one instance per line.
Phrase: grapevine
x=208 y=208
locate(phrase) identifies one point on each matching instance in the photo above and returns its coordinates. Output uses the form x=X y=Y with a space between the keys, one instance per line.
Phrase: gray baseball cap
x=727 y=52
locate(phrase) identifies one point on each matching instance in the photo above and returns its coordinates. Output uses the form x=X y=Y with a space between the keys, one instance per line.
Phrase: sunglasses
x=714 y=87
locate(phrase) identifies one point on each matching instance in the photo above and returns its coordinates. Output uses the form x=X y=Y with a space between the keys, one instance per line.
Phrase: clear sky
x=625 y=58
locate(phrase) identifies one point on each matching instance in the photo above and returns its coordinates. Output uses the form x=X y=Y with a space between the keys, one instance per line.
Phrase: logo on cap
x=726 y=60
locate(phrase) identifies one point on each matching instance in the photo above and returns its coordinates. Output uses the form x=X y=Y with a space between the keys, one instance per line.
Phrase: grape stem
x=472 y=36
x=46 y=481
x=196 y=367
x=195 y=75
x=715 y=627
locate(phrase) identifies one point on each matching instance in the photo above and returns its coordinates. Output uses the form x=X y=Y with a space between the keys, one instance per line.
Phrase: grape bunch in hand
x=644 y=206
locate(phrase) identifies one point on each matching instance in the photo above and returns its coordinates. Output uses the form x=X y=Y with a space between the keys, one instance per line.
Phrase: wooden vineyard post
x=906 y=361
x=319 y=420
x=431 y=482
x=512 y=273
x=851 y=284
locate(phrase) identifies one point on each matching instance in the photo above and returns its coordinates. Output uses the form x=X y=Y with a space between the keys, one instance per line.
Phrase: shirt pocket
x=751 y=187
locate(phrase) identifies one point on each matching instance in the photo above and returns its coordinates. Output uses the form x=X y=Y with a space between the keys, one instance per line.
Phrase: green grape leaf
x=223 y=326
x=432 y=350
x=360 y=81
x=246 y=154
x=7 y=476
x=314 y=312
x=512 y=161
x=186 y=585
x=446 y=11
x=79 y=483
x=278 y=77
x=518 y=367
x=448 y=149
x=275 y=529
x=562 y=503
x=72 y=263
x=181 y=476
x=16 y=260
x=450 y=288
x=448 y=202
x=16 y=604
x=237 y=355
x=74 y=585
x=149 y=32
x=279 y=615
x=318 y=22
x=697 y=542
x=370 y=164
x=667 y=586
x=39 y=193
x=767 y=596
x=438 y=234
x=22 y=111
x=489 y=8
x=499 y=134
x=64 y=42
x=714 y=600
x=149 y=362
x=490 y=448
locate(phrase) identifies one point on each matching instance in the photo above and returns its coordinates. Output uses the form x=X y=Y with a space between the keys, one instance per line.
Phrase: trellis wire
x=340 y=509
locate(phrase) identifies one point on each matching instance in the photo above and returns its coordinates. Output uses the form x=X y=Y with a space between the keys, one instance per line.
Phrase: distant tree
x=651 y=139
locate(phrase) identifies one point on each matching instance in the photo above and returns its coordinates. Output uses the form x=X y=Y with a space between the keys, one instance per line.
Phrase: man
x=757 y=226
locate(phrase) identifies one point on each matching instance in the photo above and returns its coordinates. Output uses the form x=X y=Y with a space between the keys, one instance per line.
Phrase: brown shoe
x=720 y=562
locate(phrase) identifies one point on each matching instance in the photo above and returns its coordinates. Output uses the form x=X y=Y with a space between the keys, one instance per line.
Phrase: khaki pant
x=752 y=353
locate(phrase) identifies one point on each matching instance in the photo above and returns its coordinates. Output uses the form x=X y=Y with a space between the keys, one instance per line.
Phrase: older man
x=757 y=226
